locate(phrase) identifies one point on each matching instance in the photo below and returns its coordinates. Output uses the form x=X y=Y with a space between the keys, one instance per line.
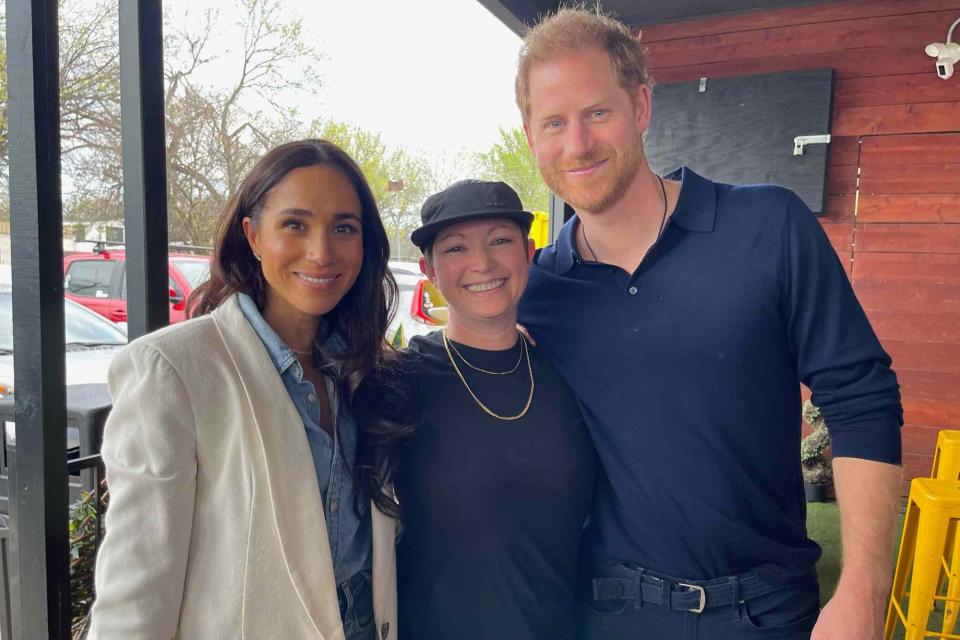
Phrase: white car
x=408 y=277
x=405 y=273
x=91 y=343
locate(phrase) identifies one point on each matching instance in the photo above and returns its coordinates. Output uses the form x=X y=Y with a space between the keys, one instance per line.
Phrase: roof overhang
x=517 y=15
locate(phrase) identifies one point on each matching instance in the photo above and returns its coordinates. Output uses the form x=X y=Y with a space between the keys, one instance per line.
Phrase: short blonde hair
x=573 y=29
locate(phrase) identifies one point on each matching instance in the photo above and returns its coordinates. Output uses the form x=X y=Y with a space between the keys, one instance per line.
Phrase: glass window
x=81 y=325
x=90 y=278
x=170 y=283
x=195 y=271
x=114 y=234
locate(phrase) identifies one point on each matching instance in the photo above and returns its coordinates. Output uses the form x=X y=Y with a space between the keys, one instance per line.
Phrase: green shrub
x=816 y=467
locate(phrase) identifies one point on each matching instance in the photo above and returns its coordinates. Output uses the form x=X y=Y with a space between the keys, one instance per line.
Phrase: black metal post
x=40 y=598
x=144 y=165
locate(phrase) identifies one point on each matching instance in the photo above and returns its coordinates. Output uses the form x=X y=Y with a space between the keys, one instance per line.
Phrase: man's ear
x=531 y=250
x=526 y=132
x=643 y=106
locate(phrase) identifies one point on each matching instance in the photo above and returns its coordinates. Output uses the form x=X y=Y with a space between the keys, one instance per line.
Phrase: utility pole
x=396 y=186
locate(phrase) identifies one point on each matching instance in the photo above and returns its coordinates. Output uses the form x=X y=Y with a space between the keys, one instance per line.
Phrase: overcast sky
x=426 y=73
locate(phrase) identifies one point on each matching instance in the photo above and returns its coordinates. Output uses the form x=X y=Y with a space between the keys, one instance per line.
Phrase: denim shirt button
x=312 y=397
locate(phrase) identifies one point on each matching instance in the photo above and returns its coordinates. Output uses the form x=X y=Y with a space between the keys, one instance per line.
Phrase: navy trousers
x=787 y=612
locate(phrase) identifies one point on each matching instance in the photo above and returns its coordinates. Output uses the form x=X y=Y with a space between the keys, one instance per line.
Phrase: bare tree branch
x=214 y=132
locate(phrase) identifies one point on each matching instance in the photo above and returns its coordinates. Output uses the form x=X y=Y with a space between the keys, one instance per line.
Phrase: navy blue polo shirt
x=688 y=373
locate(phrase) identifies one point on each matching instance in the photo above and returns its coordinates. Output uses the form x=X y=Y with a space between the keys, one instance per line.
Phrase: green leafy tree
x=448 y=166
x=511 y=161
x=409 y=176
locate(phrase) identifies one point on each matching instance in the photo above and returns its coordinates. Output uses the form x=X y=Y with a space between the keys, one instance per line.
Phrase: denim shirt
x=350 y=536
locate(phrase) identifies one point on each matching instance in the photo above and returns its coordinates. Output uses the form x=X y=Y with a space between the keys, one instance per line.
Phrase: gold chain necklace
x=492 y=373
x=523 y=412
x=306 y=352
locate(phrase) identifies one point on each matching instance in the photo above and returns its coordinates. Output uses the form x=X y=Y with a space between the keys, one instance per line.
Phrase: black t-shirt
x=492 y=510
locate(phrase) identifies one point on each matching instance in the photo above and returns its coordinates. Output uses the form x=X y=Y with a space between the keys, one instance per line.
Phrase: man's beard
x=599 y=192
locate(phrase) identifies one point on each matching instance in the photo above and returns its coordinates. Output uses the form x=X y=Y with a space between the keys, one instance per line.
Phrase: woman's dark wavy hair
x=360 y=318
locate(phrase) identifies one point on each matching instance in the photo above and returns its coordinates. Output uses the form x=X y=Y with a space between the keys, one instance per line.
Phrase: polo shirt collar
x=566 y=245
x=696 y=210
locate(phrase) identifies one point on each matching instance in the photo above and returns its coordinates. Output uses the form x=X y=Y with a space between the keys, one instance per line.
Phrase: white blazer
x=215 y=528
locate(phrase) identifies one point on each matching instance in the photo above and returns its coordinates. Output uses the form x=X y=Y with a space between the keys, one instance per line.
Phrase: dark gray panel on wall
x=741 y=130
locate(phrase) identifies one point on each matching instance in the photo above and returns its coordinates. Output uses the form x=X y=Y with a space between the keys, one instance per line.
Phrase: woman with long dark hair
x=234 y=511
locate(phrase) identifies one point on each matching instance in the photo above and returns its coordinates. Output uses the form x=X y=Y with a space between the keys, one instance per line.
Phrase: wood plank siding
x=893 y=176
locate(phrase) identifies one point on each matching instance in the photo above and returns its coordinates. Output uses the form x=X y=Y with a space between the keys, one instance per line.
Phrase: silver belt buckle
x=703 y=596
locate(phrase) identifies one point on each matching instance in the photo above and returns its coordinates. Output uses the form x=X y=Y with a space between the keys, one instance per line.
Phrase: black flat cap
x=468 y=200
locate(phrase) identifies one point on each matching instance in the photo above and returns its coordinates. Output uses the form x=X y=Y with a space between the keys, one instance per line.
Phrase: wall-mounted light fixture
x=947 y=53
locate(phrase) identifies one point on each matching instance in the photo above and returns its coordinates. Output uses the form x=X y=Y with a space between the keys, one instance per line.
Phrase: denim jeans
x=356 y=607
x=787 y=613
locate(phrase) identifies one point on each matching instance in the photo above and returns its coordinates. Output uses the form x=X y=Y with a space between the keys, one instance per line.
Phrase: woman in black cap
x=496 y=479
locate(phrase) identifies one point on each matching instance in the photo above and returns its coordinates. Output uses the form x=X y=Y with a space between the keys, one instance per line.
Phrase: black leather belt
x=694 y=596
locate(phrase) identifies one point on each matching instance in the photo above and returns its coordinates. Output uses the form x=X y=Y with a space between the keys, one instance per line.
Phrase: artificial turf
x=823 y=526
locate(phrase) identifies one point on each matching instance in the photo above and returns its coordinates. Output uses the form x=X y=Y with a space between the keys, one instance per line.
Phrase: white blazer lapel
x=296 y=500
x=384 y=574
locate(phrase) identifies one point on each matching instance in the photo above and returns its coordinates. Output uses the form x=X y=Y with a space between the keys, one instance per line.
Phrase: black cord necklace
x=663 y=220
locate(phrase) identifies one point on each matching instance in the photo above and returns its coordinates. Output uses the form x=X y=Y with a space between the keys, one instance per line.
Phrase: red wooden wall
x=896 y=127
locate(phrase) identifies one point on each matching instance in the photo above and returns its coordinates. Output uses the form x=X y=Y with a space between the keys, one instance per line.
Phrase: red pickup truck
x=98 y=281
